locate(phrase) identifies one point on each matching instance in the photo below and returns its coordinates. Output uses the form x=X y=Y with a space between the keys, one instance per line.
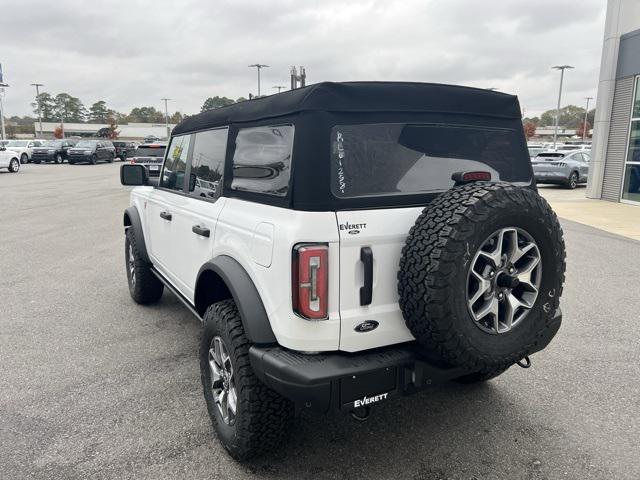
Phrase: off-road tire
x=147 y=288
x=14 y=165
x=264 y=418
x=572 y=182
x=432 y=278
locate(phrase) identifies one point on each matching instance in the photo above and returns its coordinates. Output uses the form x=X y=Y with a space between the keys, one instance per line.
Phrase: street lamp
x=258 y=66
x=586 y=112
x=2 y=87
x=562 y=68
x=166 y=116
x=38 y=85
x=279 y=87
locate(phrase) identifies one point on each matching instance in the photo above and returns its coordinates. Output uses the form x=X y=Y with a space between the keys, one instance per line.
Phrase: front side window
x=390 y=159
x=207 y=163
x=262 y=159
x=175 y=163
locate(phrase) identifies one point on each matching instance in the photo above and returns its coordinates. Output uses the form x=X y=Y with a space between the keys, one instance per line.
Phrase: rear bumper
x=344 y=381
x=551 y=177
x=80 y=158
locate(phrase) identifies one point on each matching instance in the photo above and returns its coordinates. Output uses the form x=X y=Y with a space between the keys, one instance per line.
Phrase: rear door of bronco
x=389 y=161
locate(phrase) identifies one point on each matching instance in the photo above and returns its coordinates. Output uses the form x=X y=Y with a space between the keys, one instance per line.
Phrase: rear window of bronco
x=396 y=158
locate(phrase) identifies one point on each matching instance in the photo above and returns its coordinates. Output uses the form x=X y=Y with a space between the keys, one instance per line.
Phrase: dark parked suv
x=53 y=151
x=124 y=150
x=92 y=151
x=150 y=155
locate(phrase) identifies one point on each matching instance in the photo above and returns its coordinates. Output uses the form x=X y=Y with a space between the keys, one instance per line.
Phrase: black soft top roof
x=361 y=97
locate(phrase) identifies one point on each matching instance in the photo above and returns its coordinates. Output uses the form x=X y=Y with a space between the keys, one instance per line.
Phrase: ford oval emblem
x=354 y=232
x=366 y=326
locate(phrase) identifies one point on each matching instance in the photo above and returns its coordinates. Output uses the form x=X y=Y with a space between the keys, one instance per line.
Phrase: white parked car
x=24 y=148
x=9 y=159
x=345 y=244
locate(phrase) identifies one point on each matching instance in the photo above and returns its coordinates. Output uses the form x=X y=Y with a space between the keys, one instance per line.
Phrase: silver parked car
x=568 y=168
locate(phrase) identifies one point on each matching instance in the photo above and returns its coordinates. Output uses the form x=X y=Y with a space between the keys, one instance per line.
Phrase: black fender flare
x=132 y=220
x=245 y=294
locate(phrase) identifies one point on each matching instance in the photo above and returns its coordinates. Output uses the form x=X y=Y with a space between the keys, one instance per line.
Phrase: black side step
x=173 y=290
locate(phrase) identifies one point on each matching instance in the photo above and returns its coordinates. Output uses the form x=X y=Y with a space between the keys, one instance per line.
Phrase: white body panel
x=28 y=149
x=385 y=231
x=248 y=231
x=6 y=156
x=261 y=238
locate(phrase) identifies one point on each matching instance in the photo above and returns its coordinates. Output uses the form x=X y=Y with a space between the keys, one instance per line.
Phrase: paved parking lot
x=94 y=386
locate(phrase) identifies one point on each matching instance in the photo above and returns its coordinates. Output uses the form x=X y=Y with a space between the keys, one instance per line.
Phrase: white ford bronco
x=357 y=242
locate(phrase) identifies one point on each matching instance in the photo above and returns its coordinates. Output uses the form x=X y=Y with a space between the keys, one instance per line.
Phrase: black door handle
x=202 y=231
x=366 y=291
x=166 y=215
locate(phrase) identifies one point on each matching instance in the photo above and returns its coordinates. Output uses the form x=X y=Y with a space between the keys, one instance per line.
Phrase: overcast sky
x=133 y=53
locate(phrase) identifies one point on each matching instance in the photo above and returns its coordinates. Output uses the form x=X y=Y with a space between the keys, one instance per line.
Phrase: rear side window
x=175 y=163
x=262 y=159
x=207 y=163
x=150 y=151
x=388 y=159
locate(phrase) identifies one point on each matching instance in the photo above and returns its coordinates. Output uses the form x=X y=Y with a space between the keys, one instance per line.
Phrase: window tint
x=403 y=159
x=150 y=151
x=207 y=162
x=175 y=163
x=262 y=159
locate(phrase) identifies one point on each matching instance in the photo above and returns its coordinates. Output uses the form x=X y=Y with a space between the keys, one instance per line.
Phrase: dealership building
x=130 y=131
x=614 y=173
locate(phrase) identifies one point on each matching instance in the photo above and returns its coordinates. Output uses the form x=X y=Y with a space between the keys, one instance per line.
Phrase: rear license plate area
x=368 y=388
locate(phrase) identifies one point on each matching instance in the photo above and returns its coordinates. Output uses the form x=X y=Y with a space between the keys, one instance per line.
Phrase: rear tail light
x=133 y=159
x=310 y=279
x=467 y=177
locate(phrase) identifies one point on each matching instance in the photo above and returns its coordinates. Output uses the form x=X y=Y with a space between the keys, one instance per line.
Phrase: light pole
x=2 y=87
x=279 y=87
x=586 y=112
x=258 y=66
x=38 y=85
x=63 y=112
x=166 y=116
x=562 y=68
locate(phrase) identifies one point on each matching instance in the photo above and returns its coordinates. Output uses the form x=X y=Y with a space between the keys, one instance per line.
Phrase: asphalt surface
x=94 y=386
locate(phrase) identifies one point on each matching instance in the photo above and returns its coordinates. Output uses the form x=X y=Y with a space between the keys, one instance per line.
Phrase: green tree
x=98 y=112
x=241 y=99
x=47 y=106
x=69 y=108
x=176 y=118
x=570 y=117
x=145 y=115
x=216 y=102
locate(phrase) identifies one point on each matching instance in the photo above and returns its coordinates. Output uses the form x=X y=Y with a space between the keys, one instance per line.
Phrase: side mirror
x=2 y=148
x=133 y=174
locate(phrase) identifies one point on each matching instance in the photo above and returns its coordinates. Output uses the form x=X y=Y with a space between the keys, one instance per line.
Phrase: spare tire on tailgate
x=481 y=275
